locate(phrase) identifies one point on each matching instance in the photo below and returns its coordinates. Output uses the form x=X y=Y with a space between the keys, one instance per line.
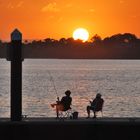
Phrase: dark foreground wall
x=69 y=131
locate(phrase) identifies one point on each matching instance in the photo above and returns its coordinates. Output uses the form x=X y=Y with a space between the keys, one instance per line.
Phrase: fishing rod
x=51 y=78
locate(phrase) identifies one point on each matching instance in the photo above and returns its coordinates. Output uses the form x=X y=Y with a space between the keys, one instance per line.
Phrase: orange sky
x=40 y=19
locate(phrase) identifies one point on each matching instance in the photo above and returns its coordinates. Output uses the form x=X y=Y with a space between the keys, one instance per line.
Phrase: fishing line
x=51 y=78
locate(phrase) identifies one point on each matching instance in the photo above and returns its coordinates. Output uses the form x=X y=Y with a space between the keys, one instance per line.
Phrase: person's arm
x=71 y=102
x=62 y=100
x=58 y=99
x=103 y=101
x=93 y=102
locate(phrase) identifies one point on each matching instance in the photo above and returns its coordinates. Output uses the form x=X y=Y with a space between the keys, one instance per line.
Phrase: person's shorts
x=92 y=108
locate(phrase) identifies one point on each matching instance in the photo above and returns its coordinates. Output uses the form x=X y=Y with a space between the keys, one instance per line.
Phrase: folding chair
x=62 y=112
x=98 y=108
x=65 y=114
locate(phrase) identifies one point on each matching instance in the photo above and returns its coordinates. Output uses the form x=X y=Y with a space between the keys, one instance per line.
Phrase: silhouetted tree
x=70 y=41
x=26 y=41
x=130 y=37
x=96 y=40
x=119 y=40
x=125 y=45
x=62 y=41
x=48 y=40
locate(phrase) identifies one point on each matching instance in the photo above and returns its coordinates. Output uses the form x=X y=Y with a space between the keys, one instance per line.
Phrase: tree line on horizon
x=121 y=46
x=120 y=40
x=117 y=40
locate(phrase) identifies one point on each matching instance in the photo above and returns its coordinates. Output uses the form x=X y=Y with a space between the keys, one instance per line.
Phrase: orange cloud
x=51 y=7
x=12 y=5
x=20 y=4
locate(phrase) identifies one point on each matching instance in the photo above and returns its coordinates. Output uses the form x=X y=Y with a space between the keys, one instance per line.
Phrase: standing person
x=96 y=105
x=64 y=104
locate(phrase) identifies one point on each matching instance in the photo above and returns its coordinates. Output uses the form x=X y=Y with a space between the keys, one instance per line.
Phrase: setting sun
x=81 y=34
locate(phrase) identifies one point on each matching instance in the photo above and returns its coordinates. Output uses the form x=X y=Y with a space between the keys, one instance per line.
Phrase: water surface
x=117 y=80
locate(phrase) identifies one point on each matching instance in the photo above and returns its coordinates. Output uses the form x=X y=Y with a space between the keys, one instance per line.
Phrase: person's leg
x=59 y=107
x=88 y=111
x=57 y=111
x=94 y=114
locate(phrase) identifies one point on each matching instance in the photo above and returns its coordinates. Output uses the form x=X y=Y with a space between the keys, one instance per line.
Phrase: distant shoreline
x=119 y=46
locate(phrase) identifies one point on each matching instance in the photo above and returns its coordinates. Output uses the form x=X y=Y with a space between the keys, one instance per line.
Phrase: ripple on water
x=117 y=80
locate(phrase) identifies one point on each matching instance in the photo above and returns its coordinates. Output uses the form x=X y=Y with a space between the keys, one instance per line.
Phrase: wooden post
x=16 y=75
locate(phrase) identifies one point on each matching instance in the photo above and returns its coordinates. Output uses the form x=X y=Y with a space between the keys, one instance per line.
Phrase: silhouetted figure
x=64 y=104
x=96 y=105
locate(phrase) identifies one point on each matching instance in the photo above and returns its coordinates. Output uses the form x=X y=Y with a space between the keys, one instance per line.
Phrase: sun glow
x=81 y=34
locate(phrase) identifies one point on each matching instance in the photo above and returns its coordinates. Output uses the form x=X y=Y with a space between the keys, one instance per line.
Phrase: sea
x=43 y=80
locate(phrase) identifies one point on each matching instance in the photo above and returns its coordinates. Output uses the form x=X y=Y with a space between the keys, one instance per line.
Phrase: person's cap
x=68 y=92
x=98 y=95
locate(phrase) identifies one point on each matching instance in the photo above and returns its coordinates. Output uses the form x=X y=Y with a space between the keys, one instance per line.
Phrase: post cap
x=16 y=35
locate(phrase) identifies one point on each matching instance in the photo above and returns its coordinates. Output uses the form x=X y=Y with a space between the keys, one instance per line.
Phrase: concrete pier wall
x=70 y=130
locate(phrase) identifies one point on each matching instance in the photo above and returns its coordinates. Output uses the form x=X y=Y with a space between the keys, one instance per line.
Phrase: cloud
x=20 y=4
x=51 y=7
x=122 y=1
x=11 y=5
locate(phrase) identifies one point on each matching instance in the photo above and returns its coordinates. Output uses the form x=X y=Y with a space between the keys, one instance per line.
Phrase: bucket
x=75 y=115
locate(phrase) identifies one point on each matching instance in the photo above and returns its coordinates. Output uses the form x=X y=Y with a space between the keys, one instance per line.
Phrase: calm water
x=117 y=80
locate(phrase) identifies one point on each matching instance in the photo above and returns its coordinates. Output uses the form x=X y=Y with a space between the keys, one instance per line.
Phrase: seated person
x=96 y=105
x=64 y=104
